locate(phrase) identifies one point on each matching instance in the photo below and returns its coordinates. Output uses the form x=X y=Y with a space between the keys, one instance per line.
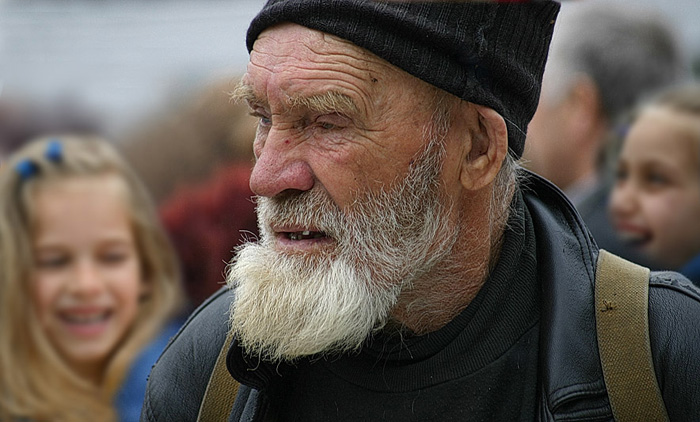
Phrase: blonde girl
x=87 y=279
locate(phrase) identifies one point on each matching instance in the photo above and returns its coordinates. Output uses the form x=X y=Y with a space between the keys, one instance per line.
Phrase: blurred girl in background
x=87 y=280
x=655 y=203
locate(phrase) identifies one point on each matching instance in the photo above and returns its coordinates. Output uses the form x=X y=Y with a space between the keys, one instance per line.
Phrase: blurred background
x=114 y=63
x=117 y=61
x=153 y=76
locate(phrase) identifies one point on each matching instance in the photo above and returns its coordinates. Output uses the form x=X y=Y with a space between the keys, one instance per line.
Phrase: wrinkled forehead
x=289 y=36
x=290 y=62
x=290 y=47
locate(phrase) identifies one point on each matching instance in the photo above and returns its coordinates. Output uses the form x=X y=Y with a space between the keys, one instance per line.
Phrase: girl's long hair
x=35 y=382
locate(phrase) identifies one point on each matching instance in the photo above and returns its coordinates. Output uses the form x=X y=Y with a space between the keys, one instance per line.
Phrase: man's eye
x=265 y=121
x=332 y=122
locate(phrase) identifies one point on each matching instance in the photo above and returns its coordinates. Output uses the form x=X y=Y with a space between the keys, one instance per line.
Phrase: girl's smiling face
x=655 y=203
x=87 y=277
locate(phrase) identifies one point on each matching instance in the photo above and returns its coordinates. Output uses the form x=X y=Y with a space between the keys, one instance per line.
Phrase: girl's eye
x=52 y=261
x=620 y=175
x=114 y=257
x=657 y=179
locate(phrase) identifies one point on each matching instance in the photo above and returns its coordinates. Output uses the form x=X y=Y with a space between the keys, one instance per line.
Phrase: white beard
x=289 y=305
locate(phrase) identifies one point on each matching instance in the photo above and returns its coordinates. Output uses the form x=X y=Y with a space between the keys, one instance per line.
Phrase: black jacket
x=571 y=382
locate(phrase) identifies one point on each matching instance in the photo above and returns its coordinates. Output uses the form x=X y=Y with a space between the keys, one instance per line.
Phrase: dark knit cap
x=487 y=53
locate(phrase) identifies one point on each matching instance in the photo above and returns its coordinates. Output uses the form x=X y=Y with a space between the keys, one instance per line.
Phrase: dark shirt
x=482 y=366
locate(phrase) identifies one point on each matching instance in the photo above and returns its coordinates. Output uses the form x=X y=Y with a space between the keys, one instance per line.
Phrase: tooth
x=305 y=233
x=85 y=319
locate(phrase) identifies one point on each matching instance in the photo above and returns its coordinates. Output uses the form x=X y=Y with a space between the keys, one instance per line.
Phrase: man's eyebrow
x=327 y=103
x=244 y=93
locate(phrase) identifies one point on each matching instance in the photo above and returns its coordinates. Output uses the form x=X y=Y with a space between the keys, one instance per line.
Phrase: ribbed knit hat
x=486 y=53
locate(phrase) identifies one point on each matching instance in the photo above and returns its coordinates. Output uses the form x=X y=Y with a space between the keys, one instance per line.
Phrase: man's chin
x=289 y=307
x=288 y=353
x=290 y=346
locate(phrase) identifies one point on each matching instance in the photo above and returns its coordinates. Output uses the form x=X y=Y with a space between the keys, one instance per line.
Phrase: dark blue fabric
x=692 y=270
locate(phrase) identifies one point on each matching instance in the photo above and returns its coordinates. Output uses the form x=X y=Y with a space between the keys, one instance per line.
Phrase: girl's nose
x=87 y=280
x=622 y=201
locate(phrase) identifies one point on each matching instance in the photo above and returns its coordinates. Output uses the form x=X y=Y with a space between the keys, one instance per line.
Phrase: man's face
x=331 y=116
x=353 y=205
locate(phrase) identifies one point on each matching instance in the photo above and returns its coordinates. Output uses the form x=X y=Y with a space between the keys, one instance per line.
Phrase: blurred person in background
x=89 y=285
x=206 y=221
x=188 y=142
x=196 y=159
x=655 y=201
x=603 y=59
x=22 y=119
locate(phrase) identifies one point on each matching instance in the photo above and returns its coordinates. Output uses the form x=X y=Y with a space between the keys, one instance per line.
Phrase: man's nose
x=279 y=167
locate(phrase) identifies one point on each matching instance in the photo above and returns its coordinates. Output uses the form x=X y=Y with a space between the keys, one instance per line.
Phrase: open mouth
x=85 y=325
x=85 y=319
x=305 y=235
x=302 y=240
x=635 y=239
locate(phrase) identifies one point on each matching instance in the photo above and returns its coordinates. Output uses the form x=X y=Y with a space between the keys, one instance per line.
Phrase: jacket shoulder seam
x=674 y=281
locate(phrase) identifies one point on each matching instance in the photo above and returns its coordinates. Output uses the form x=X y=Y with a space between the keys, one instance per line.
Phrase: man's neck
x=438 y=297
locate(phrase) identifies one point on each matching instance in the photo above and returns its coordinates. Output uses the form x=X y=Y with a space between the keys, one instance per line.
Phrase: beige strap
x=622 y=322
x=221 y=390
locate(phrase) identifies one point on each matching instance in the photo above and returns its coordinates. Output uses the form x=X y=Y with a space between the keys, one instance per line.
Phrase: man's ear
x=489 y=146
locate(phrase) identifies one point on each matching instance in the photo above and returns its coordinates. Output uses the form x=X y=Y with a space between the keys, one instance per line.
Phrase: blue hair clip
x=54 y=151
x=26 y=169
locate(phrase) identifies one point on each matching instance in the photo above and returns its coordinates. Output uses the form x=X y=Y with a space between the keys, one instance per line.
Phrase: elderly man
x=406 y=268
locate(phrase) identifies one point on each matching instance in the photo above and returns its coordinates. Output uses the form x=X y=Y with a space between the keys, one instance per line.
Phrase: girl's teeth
x=85 y=319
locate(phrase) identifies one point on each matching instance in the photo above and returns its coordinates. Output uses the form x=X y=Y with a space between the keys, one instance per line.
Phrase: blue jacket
x=129 y=399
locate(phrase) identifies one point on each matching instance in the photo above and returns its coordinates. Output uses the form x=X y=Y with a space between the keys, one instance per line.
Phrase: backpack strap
x=622 y=324
x=221 y=390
